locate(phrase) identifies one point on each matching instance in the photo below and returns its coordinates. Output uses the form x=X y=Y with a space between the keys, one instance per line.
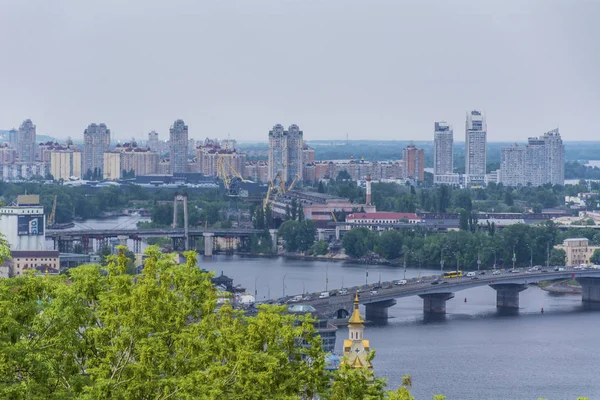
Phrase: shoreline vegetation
x=565 y=286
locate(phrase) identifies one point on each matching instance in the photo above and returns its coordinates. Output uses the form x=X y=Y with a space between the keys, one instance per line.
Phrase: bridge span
x=435 y=291
x=182 y=238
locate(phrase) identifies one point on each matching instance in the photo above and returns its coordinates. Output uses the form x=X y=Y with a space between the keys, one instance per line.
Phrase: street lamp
x=284 y=275
x=478 y=262
x=442 y=263
x=326 y=276
x=255 y=292
x=514 y=259
x=405 y=256
x=530 y=256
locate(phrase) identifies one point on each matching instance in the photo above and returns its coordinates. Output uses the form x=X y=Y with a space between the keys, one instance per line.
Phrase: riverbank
x=292 y=256
x=566 y=286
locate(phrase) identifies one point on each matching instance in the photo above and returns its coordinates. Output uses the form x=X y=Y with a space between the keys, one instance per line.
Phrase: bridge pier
x=208 y=243
x=507 y=294
x=378 y=310
x=122 y=240
x=435 y=303
x=590 y=290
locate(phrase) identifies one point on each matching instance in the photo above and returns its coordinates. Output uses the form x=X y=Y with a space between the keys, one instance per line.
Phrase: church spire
x=356 y=349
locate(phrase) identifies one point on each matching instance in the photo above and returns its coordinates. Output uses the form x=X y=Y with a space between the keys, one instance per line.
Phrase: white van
x=324 y=295
x=471 y=273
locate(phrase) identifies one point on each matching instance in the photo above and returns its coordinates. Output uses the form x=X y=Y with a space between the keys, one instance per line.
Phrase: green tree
x=321 y=187
x=595 y=258
x=558 y=257
x=357 y=242
x=464 y=219
x=389 y=244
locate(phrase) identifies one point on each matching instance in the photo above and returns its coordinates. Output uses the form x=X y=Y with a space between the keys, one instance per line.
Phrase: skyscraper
x=555 y=157
x=443 y=154
x=13 y=138
x=96 y=140
x=285 y=152
x=26 y=142
x=475 y=147
x=178 y=134
x=414 y=162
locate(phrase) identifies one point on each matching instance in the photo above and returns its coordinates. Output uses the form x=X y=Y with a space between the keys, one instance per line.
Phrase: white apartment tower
x=26 y=142
x=179 y=146
x=475 y=147
x=541 y=161
x=285 y=152
x=153 y=143
x=96 y=140
x=443 y=155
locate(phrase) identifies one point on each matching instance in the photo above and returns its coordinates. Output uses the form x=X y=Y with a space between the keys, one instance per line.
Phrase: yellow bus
x=453 y=274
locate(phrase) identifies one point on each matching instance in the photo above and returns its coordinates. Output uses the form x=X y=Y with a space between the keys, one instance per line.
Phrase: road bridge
x=435 y=291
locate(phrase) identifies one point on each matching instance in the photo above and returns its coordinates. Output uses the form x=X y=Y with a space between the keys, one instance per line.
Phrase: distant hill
x=38 y=138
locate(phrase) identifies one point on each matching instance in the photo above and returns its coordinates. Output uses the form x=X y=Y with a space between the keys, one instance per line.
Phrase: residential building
x=65 y=164
x=286 y=152
x=26 y=142
x=8 y=155
x=19 y=170
x=308 y=155
x=22 y=224
x=383 y=218
x=578 y=250
x=153 y=143
x=211 y=150
x=178 y=134
x=96 y=139
x=140 y=160
x=111 y=169
x=44 y=261
x=414 y=163
x=13 y=138
x=443 y=149
x=475 y=148
x=257 y=171
x=541 y=161
x=164 y=166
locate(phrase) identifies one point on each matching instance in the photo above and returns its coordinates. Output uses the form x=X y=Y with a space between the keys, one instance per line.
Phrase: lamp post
x=514 y=259
x=255 y=292
x=442 y=263
x=478 y=262
x=405 y=256
x=326 y=276
x=530 y=257
x=284 y=275
x=548 y=255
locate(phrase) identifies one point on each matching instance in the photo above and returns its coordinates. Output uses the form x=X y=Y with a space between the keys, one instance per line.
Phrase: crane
x=53 y=213
x=229 y=175
x=268 y=196
x=333 y=216
x=293 y=183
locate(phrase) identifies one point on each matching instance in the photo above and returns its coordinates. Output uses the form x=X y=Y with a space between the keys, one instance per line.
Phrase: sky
x=373 y=69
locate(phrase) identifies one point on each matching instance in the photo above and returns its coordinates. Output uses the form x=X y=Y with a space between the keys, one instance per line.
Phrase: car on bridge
x=400 y=282
x=496 y=272
x=342 y=292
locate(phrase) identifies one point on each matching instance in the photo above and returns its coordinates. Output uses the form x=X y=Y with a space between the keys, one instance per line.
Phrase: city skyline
x=532 y=71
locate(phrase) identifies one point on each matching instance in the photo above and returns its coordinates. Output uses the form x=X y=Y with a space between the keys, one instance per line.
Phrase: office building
x=111 y=166
x=414 y=163
x=153 y=143
x=541 y=161
x=443 y=149
x=178 y=134
x=578 y=251
x=286 y=152
x=26 y=142
x=65 y=164
x=475 y=148
x=96 y=142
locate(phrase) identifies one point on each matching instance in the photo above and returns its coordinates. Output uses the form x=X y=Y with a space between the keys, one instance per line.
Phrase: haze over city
x=372 y=70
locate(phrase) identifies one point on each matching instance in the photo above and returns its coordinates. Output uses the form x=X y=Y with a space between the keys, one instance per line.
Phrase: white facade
x=475 y=147
x=23 y=227
x=512 y=165
x=443 y=154
x=65 y=164
x=285 y=152
x=96 y=142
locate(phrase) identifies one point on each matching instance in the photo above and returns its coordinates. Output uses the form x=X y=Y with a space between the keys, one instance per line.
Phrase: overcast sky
x=370 y=69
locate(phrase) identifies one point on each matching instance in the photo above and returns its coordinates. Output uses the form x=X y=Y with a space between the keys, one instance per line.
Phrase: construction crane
x=53 y=213
x=293 y=183
x=229 y=175
x=268 y=196
x=333 y=216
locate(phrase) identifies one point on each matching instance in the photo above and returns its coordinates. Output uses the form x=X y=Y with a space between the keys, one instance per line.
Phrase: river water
x=473 y=353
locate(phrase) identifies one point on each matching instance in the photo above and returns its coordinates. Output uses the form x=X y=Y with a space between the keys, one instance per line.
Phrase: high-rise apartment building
x=112 y=166
x=96 y=141
x=140 y=160
x=475 y=147
x=8 y=155
x=210 y=151
x=285 y=152
x=443 y=150
x=153 y=143
x=178 y=134
x=65 y=163
x=414 y=162
x=26 y=142
x=13 y=138
x=541 y=161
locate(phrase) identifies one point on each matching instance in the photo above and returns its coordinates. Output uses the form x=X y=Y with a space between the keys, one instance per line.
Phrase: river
x=473 y=353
